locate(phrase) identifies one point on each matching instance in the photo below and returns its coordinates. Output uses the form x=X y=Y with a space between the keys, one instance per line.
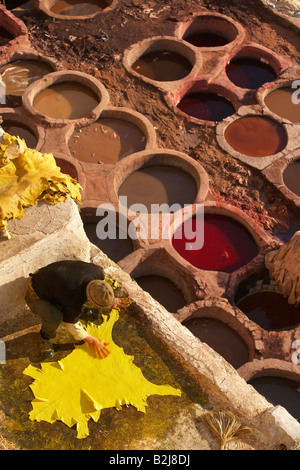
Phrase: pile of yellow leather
x=28 y=177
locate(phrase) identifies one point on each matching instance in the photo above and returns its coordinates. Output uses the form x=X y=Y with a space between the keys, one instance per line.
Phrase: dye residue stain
x=256 y=136
x=20 y=130
x=291 y=177
x=17 y=75
x=206 y=40
x=227 y=244
x=159 y=184
x=77 y=7
x=221 y=338
x=206 y=106
x=115 y=248
x=5 y=36
x=163 y=66
x=67 y=100
x=270 y=310
x=281 y=103
x=250 y=73
x=107 y=141
x=280 y=391
x=163 y=290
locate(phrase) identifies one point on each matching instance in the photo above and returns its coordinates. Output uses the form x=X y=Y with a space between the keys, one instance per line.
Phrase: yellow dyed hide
x=28 y=177
x=79 y=386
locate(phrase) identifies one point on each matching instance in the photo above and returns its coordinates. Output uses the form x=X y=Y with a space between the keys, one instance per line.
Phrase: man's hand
x=98 y=346
x=121 y=303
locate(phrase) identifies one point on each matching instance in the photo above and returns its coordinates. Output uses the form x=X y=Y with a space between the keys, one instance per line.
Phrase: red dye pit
x=227 y=244
x=206 y=106
x=206 y=40
x=249 y=73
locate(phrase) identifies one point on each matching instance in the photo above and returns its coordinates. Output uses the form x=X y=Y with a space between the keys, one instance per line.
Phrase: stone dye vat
x=162 y=290
x=162 y=66
x=107 y=140
x=280 y=102
x=159 y=184
x=256 y=136
x=206 y=39
x=220 y=337
x=291 y=177
x=250 y=73
x=78 y=7
x=206 y=106
x=67 y=100
x=21 y=130
x=280 y=391
x=227 y=244
x=18 y=74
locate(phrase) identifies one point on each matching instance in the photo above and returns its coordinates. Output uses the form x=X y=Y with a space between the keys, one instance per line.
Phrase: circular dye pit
x=221 y=338
x=159 y=184
x=115 y=248
x=66 y=100
x=256 y=136
x=163 y=66
x=280 y=391
x=280 y=102
x=206 y=39
x=291 y=177
x=5 y=36
x=107 y=140
x=206 y=106
x=270 y=310
x=162 y=290
x=249 y=72
x=227 y=244
x=18 y=75
x=78 y=7
x=67 y=168
x=20 y=130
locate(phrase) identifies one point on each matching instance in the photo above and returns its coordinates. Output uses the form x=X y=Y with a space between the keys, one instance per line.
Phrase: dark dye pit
x=5 y=36
x=250 y=73
x=291 y=177
x=227 y=244
x=163 y=290
x=67 y=167
x=163 y=66
x=18 y=75
x=108 y=140
x=221 y=338
x=77 y=7
x=206 y=106
x=115 y=249
x=256 y=136
x=270 y=310
x=159 y=184
x=67 y=100
x=206 y=40
x=280 y=391
x=280 y=102
x=20 y=130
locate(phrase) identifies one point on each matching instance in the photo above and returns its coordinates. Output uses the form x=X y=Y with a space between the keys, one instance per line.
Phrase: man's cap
x=100 y=293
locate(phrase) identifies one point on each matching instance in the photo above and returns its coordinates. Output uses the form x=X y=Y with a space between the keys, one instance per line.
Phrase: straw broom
x=225 y=426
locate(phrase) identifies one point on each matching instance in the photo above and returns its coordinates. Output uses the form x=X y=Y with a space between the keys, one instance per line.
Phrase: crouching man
x=57 y=292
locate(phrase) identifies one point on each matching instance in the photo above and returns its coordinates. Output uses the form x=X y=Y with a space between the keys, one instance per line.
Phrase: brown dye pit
x=67 y=168
x=206 y=40
x=68 y=100
x=221 y=338
x=280 y=391
x=281 y=103
x=163 y=66
x=77 y=7
x=206 y=106
x=5 y=36
x=107 y=140
x=17 y=75
x=164 y=291
x=291 y=177
x=115 y=249
x=256 y=136
x=159 y=184
x=21 y=130
x=270 y=310
x=250 y=73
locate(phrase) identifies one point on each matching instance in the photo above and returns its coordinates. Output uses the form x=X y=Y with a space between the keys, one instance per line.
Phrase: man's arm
x=98 y=346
